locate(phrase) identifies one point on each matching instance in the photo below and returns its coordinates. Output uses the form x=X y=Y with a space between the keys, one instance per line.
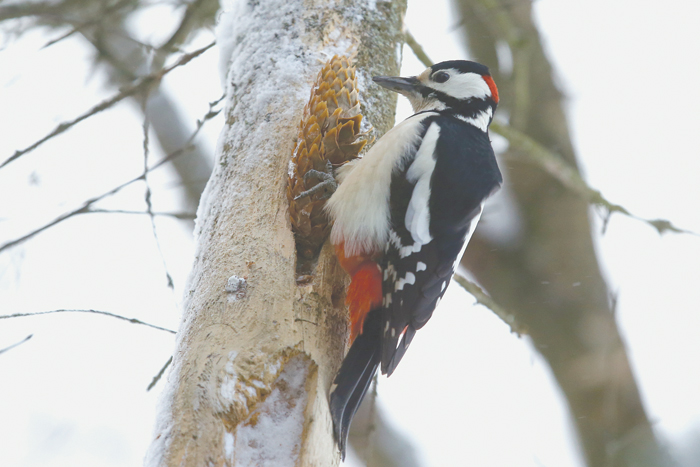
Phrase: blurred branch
x=23 y=10
x=93 y=21
x=141 y=85
x=97 y=312
x=196 y=13
x=376 y=441
x=554 y=163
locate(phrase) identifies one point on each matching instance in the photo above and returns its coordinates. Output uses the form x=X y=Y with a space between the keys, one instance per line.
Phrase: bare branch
x=141 y=85
x=98 y=312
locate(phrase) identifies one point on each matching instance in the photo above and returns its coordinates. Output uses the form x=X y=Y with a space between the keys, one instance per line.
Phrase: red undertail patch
x=364 y=295
x=365 y=291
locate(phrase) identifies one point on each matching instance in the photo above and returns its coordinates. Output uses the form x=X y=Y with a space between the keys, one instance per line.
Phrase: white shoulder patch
x=360 y=205
x=418 y=212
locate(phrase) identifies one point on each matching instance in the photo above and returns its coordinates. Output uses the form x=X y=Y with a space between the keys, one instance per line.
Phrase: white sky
x=75 y=394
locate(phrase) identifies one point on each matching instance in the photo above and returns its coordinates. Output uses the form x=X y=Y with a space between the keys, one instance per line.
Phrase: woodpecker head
x=460 y=86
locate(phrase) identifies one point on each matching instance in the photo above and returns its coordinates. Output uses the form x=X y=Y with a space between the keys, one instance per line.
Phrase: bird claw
x=327 y=183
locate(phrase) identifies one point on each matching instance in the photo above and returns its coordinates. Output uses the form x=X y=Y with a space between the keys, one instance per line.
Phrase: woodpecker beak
x=405 y=86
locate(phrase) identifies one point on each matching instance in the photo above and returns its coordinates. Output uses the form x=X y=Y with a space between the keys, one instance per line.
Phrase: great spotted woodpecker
x=403 y=215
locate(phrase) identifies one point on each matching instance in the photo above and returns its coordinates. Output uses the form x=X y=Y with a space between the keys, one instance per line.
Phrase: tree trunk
x=549 y=276
x=256 y=351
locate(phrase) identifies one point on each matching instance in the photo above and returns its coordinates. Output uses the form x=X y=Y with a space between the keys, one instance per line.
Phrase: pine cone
x=329 y=131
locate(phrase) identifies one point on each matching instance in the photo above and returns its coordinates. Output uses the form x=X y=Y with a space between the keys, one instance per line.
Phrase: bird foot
x=327 y=183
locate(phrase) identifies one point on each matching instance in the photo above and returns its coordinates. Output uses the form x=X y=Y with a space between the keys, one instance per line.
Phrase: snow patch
x=236 y=287
x=272 y=433
x=229 y=443
x=229 y=364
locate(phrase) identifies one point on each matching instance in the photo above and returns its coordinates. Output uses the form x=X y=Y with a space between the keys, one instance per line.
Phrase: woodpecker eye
x=440 y=77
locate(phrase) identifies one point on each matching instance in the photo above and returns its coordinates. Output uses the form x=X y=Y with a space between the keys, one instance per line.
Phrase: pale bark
x=240 y=350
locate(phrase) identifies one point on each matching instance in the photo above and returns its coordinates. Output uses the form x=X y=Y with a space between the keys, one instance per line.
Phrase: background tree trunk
x=548 y=275
x=256 y=352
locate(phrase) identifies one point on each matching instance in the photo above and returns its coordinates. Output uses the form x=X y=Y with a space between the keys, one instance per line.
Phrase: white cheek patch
x=464 y=86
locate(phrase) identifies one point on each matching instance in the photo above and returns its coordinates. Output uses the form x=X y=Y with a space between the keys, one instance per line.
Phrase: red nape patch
x=364 y=295
x=492 y=87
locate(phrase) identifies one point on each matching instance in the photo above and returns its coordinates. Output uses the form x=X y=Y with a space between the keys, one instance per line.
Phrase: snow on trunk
x=256 y=352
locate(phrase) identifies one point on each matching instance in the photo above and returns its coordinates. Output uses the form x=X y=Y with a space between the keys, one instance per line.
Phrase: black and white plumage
x=414 y=201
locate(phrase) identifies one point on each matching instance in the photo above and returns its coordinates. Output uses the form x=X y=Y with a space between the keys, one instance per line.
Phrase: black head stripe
x=467 y=107
x=463 y=66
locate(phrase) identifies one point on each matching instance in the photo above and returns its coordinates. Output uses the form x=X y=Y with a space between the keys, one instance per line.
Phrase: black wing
x=416 y=274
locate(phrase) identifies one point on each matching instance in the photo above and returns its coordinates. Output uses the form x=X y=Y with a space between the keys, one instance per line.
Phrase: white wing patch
x=418 y=213
x=360 y=205
x=403 y=250
x=409 y=279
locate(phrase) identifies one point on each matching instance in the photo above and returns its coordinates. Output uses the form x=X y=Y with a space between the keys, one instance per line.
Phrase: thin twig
x=484 y=299
x=157 y=377
x=176 y=215
x=147 y=195
x=87 y=205
x=141 y=84
x=98 y=312
x=556 y=165
x=82 y=209
x=105 y=13
x=16 y=344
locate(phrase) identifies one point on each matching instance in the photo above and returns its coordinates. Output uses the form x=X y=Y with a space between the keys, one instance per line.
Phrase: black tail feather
x=388 y=368
x=354 y=378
